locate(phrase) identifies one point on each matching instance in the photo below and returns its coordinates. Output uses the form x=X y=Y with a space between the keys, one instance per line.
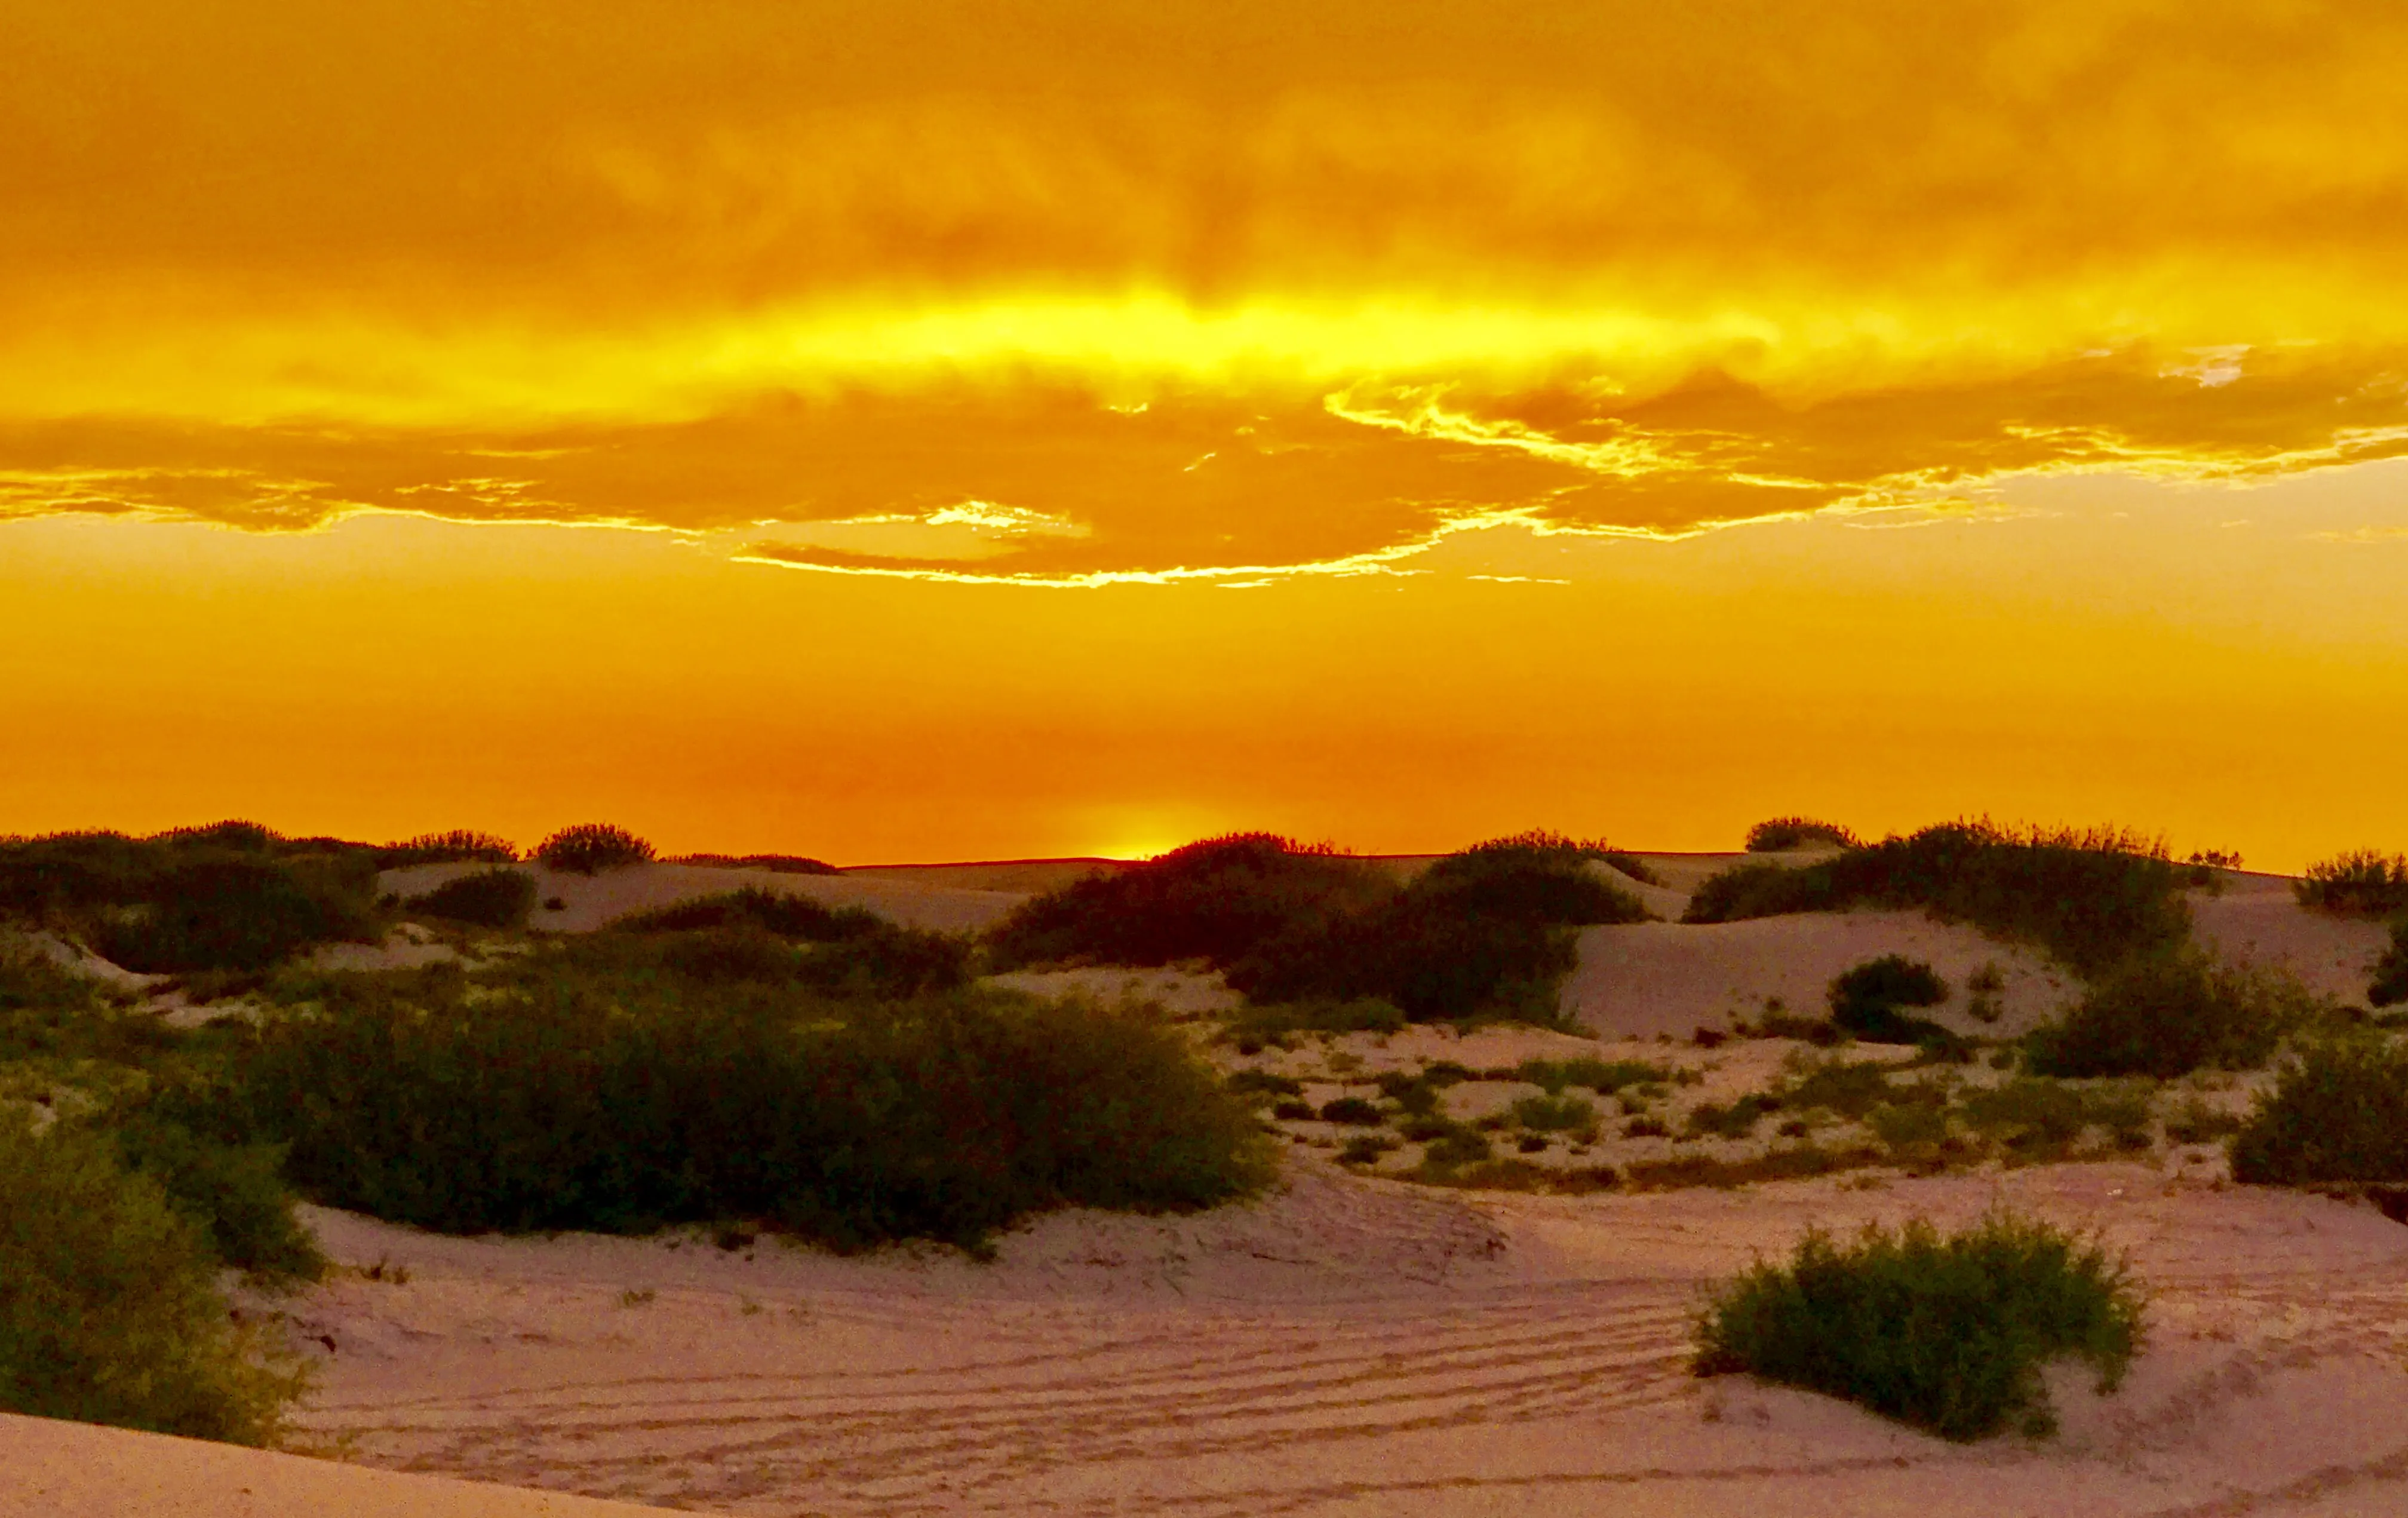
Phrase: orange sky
x=918 y=430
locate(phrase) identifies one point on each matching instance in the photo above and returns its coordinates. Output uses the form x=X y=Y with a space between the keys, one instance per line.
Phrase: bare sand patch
x=588 y=902
x=1646 y=979
x=2257 y=920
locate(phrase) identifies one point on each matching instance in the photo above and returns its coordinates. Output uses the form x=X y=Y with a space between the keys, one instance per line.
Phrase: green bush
x=1603 y=1076
x=2389 y=986
x=590 y=847
x=1275 y=1020
x=2338 y=1113
x=1846 y=1089
x=1783 y=833
x=488 y=899
x=621 y=1096
x=48 y=1011
x=2093 y=899
x=1215 y=900
x=2167 y=1015
x=1555 y=1114
x=459 y=845
x=1948 y=1334
x=1733 y=1119
x=2037 y=1117
x=234 y=1192
x=2363 y=883
x=108 y=1307
x=1353 y=1110
x=1865 y=1001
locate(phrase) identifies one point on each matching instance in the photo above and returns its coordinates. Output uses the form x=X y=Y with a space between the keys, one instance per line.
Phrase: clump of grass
x=48 y=1012
x=591 y=847
x=1263 y=1083
x=2091 y=897
x=1798 y=1163
x=1777 y=835
x=1946 y=1333
x=619 y=1094
x=233 y=1191
x=1865 y=1001
x=488 y=899
x=2167 y=1015
x=1843 y=1088
x=2338 y=1113
x=110 y=1311
x=2361 y=883
x=1275 y=1023
x=1984 y=990
x=459 y=845
x=2196 y=1123
x=751 y=934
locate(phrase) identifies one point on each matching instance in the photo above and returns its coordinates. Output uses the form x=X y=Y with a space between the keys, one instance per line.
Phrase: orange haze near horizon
x=925 y=431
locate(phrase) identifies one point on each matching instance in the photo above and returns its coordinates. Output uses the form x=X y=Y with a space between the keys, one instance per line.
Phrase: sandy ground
x=1349 y=1347
x=588 y=902
x=2256 y=921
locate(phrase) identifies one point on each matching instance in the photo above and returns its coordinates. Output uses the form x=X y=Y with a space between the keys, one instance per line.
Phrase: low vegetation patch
x=1797 y=1163
x=1486 y=932
x=488 y=899
x=461 y=845
x=2035 y=1118
x=110 y=1311
x=1777 y=835
x=2338 y=1113
x=1865 y=1001
x=2169 y=1014
x=774 y=863
x=621 y=1094
x=772 y=938
x=2093 y=899
x=1946 y=1332
x=590 y=847
x=2362 y=883
x=2389 y=987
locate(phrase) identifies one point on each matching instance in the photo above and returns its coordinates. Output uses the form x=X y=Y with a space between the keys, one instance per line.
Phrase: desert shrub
x=110 y=1311
x=2389 y=986
x=1948 y=1333
x=1553 y=1114
x=1352 y=1109
x=488 y=899
x=785 y=913
x=227 y=912
x=2196 y=1123
x=613 y=1098
x=2036 y=1117
x=1865 y=1001
x=2167 y=1015
x=590 y=847
x=774 y=863
x=1459 y=1146
x=2338 y=1113
x=1795 y=1162
x=457 y=847
x=1427 y=959
x=1212 y=900
x=234 y=1192
x=1603 y=1077
x=2093 y=899
x=1908 y=1124
x=1781 y=833
x=2362 y=883
x=1292 y=1111
x=1733 y=1119
x=1538 y=877
x=1264 y=1083
x=1365 y=1148
x=49 y=1011
x=1846 y=1089
x=1276 y=1020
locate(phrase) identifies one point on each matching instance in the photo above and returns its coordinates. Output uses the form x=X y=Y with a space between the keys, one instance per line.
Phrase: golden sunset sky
x=916 y=432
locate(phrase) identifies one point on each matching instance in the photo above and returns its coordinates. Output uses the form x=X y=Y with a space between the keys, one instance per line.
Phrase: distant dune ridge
x=1353 y=1341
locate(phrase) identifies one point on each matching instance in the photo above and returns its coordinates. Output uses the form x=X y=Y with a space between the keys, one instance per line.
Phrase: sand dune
x=75 y=1470
x=1350 y=1347
x=2256 y=921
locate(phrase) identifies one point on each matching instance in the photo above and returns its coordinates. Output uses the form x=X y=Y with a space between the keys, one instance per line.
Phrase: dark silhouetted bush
x=2167 y=1015
x=561 y=1095
x=590 y=847
x=1781 y=833
x=461 y=845
x=1865 y=1001
x=222 y=914
x=787 y=914
x=1352 y=1109
x=1214 y=900
x=2338 y=1113
x=2389 y=986
x=110 y=1311
x=2363 y=883
x=488 y=899
x=233 y=1192
x=1536 y=877
x=774 y=863
x=1947 y=1334
x=2092 y=899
